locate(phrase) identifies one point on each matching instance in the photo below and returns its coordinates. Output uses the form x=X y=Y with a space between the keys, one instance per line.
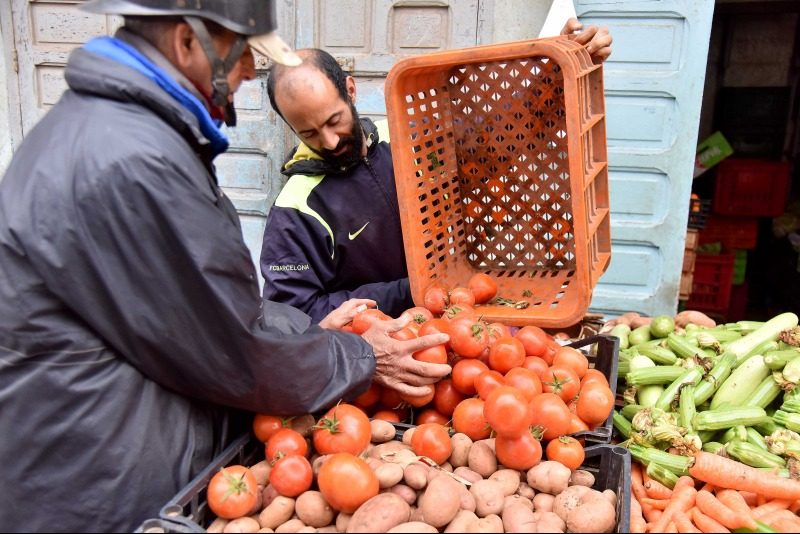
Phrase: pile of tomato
x=516 y=384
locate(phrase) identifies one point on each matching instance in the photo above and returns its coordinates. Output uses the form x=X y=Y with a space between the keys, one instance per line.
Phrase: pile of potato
x=470 y=492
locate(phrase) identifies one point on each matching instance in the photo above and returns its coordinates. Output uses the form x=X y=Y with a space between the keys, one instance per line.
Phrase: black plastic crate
x=156 y=525
x=611 y=467
x=699 y=208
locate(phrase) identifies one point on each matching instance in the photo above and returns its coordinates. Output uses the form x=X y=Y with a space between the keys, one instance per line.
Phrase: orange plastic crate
x=501 y=167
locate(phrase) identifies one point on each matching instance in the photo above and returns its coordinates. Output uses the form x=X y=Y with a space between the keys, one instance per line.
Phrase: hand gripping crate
x=501 y=167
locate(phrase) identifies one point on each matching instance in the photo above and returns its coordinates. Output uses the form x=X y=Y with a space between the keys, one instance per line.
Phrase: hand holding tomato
x=396 y=367
x=345 y=313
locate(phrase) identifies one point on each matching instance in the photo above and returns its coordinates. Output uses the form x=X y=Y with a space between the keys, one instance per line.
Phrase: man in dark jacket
x=334 y=232
x=133 y=338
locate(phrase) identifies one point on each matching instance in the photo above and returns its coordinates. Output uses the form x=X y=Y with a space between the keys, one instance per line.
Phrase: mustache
x=343 y=142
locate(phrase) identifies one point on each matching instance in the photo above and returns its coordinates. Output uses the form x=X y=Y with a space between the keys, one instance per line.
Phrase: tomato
x=488 y=381
x=369 y=398
x=286 y=442
x=468 y=419
x=462 y=296
x=363 y=320
x=483 y=287
x=232 y=492
x=576 y=425
x=265 y=426
x=498 y=331
x=524 y=380
x=404 y=334
x=468 y=336
x=435 y=326
x=435 y=354
x=571 y=358
x=593 y=376
x=464 y=374
x=391 y=398
x=418 y=315
x=421 y=400
x=344 y=428
x=458 y=310
x=346 y=482
x=432 y=440
x=535 y=364
x=508 y=411
x=534 y=339
x=549 y=412
x=447 y=397
x=387 y=415
x=518 y=452
x=435 y=299
x=595 y=404
x=567 y=451
x=506 y=354
x=561 y=381
x=291 y=476
x=431 y=415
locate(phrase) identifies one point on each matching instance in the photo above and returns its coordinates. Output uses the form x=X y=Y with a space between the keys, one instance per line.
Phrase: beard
x=353 y=144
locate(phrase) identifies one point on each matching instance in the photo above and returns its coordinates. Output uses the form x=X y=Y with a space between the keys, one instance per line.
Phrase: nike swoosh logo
x=353 y=235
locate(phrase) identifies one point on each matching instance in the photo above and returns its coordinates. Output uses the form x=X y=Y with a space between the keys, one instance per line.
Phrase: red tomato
x=387 y=415
x=593 y=376
x=458 y=310
x=435 y=299
x=571 y=358
x=549 y=412
x=488 y=381
x=422 y=400
x=370 y=397
x=535 y=364
x=483 y=287
x=430 y=415
x=468 y=419
x=464 y=374
x=576 y=425
x=518 y=452
x=432 y=440
x=435 y=326
x=462 y=296
x=468 y=336
x=418 y=315
x=286 y=442
x=447 y=397
x=232 y=492
x=595 y=404
x=561 y=381
x=508 y=411
x=505 y=354
x=391 y=398
x=404 y=334
x=291 y=476
x=345 y=428
x=346 y=482
x=265 y=426
x=435 y=354
x=524 y=380
x=362 y=321
x=534 y=339
x=566 y=451
x=498 y=331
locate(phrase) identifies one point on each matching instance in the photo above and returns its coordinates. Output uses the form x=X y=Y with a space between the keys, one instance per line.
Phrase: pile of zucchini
x=733 y=389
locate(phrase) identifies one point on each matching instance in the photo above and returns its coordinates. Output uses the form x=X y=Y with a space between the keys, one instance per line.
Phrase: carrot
x=709 y=488
x=683 y=523
x=784 y=524
x=795 y=507
x=734 y=500
x=671 y=528
x=657 y=490
x=637 y=489
x=727 y=473
x=638 y=524
x=781 y=520
x=682 y=500
x=658 y=504
x=761 y=500
x=706 y=523
x=750 y=498
x=709 y=505
x=772 y=506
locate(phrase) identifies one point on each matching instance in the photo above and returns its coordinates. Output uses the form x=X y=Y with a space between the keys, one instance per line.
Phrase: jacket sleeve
x=295 y=264
x=153 y=260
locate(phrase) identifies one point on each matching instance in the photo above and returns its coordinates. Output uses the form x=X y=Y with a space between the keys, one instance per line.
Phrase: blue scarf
x=123 y=53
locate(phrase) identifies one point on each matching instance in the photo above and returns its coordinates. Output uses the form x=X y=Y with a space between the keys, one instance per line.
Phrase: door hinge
x=15 y=60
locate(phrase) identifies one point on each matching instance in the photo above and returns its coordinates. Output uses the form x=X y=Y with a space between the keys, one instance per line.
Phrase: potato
x=261 y=472
x=389 y=474
x=416 y=515
x=461 y=520
x=549 y=477
x=694 y=317
x=329 y=528
x=441 y=501
x=382 y=431
x=466 y=500
x=407 y=435
x=268 y=495
x=543 y=502
x=388 y=449
x=307 y=529
x=279 y=511
x=580 y=477
x=611 y=497
x=570 y=499
x=447 y=466
x=467 y=474
x=461 y=445
x=515 y=499
x=218 y=525
x=259 y=504
x=548 y=522
x=525 y=490
x=291 y=526
x=509 y=479
x=264 y=529
x=489 y=497
x=406 y=493
x=317 y=462
x=416 y=475
x=313 y=510
x=379 y=514
x=342 y=520
x=482 y=459
x=303 y=424
x=414 y=526
x=518 y=517
x=596 y=515
x=491 y=523
x=242 y=524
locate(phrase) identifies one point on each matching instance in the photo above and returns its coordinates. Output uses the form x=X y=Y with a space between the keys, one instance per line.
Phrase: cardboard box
x=710 y=152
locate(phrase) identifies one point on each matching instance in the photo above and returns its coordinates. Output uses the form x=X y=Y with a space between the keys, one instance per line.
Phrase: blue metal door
x=653 y=87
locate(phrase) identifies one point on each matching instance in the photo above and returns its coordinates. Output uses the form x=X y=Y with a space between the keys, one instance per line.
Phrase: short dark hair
x=155 y=29
x=319 y=59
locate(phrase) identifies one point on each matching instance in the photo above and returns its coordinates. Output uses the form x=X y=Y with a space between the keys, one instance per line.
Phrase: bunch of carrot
x=731 y=496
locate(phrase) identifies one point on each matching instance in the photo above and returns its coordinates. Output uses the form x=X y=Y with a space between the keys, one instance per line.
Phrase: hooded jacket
x=133 y=337
x=334 y=234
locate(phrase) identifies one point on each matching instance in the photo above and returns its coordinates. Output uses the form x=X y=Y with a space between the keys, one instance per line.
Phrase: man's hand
x=342 y=315
x=396 y=367
x=597 y=40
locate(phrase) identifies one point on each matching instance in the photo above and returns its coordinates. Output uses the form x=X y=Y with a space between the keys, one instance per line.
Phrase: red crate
x=732 y=232
x=751 y=187
x=712 y=283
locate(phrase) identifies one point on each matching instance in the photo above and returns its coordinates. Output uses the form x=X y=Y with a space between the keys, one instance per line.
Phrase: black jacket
x=333 y=235
x=132 y=330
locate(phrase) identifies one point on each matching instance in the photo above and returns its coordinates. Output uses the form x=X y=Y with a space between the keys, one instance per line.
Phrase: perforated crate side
x=500 y=163
x=712 y=283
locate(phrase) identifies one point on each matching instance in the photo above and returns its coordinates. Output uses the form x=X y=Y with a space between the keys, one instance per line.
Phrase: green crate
x=739 y=267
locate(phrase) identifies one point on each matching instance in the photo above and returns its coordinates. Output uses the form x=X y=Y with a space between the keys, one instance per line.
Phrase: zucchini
x=742 y=382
